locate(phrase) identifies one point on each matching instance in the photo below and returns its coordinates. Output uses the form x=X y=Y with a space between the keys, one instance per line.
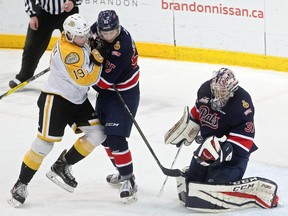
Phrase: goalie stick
x=164 y=183
x=166 y=171
x=198 y=140
x=21 y=85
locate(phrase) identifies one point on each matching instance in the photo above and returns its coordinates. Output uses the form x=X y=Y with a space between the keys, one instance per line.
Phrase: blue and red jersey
x=121 y=68
x=235 y=120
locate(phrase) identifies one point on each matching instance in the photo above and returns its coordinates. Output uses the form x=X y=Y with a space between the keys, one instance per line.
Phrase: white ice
x=166 y=87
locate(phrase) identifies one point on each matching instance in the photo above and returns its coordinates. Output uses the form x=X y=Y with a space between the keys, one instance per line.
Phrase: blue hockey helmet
x=107 y=20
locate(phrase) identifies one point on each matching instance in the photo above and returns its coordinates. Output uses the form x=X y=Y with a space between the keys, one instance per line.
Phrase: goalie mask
x=223 y=85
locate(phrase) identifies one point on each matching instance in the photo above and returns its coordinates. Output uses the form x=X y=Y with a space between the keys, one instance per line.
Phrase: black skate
x=18 y=194
x=63 y=170
x=114 y=179
x=128 y=190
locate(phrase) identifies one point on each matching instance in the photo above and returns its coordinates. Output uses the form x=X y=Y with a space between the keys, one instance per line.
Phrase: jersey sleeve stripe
x=128 y=84
x=194 y=112
x=240 y=141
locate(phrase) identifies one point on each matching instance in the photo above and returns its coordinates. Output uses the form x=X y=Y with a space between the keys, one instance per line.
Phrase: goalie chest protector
x=245 y=193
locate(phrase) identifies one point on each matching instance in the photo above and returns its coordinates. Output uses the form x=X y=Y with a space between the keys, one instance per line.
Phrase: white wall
x=265 y=31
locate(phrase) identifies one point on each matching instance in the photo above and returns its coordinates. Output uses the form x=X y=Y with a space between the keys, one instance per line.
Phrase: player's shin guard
x=110 y=155
x=33 y=160
x=123 y=162
x=83 y=146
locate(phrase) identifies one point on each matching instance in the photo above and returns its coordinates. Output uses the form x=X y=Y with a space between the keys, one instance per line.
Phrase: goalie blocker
x=246 y=193
x=184 y=131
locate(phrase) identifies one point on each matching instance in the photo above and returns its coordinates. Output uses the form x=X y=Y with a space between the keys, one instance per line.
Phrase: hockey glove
x=212 y=152
x=184 y=131
x=101 y=46
x=96 y=57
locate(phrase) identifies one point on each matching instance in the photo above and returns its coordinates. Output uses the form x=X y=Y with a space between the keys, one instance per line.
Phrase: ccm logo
x=112 y=124
x=243 y=187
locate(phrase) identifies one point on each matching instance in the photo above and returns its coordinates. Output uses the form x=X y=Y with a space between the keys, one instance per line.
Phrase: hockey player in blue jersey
x=121 y=71
x=224 y=114
x=223 y=109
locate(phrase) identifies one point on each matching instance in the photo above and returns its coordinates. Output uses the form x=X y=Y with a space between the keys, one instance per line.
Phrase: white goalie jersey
x=71 y=73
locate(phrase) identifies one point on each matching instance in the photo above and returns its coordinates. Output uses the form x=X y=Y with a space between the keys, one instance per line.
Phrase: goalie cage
x=246 y=193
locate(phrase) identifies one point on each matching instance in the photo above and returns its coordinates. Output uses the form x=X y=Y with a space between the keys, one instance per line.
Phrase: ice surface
x=166 y=87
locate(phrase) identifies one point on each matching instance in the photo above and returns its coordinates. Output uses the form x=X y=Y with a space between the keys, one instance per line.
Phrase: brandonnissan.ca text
x=218 y=9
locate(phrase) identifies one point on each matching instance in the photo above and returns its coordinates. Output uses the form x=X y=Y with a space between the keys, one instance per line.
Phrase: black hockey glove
x=101 y=46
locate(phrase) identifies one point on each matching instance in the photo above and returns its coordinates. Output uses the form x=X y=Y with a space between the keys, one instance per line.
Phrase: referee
x=45 y=17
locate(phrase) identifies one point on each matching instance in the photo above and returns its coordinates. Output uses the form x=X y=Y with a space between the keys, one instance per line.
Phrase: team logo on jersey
x=72 y=58
x=117 y=45
x=207 y=118
x=204 y=100
x=245 y=104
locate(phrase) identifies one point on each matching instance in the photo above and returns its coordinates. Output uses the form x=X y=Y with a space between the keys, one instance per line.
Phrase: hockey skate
x=18 y=194
x=128 y=190
x=114 y=179
x=61 y=175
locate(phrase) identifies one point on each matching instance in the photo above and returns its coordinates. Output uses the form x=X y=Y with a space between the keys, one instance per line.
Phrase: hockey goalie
x=223 y=116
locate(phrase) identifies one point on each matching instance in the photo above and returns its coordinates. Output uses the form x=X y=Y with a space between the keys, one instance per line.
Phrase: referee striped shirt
x=50 y=6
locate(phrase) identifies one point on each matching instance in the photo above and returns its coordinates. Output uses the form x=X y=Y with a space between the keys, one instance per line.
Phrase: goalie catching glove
x=214 y=151
x=184 y=131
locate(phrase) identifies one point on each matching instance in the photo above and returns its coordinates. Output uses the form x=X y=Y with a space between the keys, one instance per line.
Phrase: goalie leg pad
x=246 y=193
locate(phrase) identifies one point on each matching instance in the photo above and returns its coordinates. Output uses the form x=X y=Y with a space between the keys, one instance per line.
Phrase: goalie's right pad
x=245 y=193
x=185 y=130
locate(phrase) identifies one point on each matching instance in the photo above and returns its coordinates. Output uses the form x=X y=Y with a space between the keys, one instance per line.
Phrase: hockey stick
x=21 y=85
x=166 y=171
x=198 y=140
x=164 y=183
